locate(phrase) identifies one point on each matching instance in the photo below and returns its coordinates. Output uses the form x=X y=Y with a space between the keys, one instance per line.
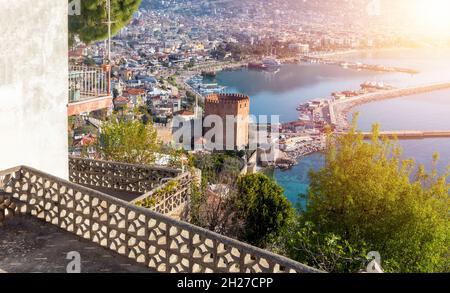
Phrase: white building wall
x=33 y=85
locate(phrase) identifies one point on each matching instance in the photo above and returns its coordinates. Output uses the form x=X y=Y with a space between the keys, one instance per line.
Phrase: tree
x=88 y=61
x=251 y=208
x=216 y=211
x=370 y=198
x=219 y=52
x=128 y=141
x=324 y=250
x=90 y=24
x=230 y=169
x=265 y=210
x=225 y=167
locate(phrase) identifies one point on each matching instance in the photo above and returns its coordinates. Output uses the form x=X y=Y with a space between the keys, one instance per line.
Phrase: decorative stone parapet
x=148 y=237
x=151 y=181
x=169 y=196
x=7 y=208
x=118 y=176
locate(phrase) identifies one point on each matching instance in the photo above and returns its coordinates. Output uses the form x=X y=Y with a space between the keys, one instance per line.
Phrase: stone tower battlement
x=225 y=98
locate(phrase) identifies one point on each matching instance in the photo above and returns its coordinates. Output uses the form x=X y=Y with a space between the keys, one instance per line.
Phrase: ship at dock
x=204 y=89
x=270 y=62
x=374 y=85
x=267 y=64
x=257 y=66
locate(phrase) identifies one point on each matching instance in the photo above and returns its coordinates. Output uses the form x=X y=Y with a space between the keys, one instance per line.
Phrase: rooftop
x=184 y=113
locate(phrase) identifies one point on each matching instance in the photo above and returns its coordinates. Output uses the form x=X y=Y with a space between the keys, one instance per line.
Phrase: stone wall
x=7 y=208
x=150 y=181
x=118 y=176
x=168 y=197
x=152 y=239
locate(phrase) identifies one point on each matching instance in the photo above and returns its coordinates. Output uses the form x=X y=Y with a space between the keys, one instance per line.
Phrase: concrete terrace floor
x=28 y=245
x=123 y=195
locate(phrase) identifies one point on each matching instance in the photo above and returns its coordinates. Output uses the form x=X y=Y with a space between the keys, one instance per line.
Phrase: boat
x=258 y=66
x=345 y=65
x=195 y=81
x=208 y=85
x=210 y=88
x=271 y=62
x=197 y=78
x=375 y=85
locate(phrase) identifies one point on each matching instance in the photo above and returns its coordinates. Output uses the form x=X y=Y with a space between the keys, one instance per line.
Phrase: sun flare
x=432 y=16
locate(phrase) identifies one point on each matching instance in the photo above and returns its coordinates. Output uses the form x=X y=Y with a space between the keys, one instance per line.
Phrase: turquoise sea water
x=280 y=93
x=296 y=180
x=429 y=111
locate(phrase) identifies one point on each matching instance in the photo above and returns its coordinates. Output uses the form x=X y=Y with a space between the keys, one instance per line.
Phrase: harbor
x=334 y=110
x=196 y=83
x=307 y=135
x=341 y=108
x=304 y=134
x=196 y=80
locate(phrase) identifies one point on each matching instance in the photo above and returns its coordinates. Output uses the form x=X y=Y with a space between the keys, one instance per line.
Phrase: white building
x=34 y=85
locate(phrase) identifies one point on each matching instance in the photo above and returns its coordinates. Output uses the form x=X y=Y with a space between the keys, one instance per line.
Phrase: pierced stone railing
x=118 y=176
x=7 y=208
x=149 y=181
x=165 y=200
x=150 y=238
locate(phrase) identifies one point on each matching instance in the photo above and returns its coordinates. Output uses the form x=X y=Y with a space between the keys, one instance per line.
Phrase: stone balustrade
x=7 y=208
x=169 y=196
x=150 y=238
x=118 y=176
x=149 y=180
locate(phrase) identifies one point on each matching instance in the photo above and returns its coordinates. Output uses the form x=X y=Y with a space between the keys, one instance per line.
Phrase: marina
x=334 y=110
x=197 y=84
x=306 y=135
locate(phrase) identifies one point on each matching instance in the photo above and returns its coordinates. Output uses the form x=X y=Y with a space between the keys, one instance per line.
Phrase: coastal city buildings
x=168 y=45
x=225 y=194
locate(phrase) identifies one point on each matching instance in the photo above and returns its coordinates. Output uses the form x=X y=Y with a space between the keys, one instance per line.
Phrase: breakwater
x=341 y=108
